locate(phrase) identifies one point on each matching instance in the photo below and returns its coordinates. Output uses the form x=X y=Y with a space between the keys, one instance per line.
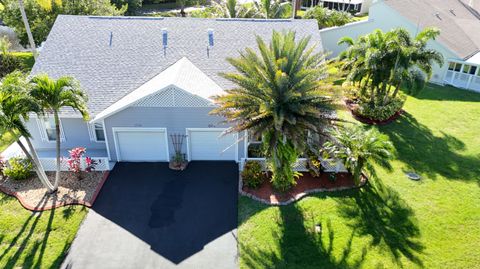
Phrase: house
x=352 y=6
x=459 y=40
x=147 y=79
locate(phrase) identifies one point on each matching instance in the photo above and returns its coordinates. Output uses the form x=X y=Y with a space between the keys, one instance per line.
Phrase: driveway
x=148 y=216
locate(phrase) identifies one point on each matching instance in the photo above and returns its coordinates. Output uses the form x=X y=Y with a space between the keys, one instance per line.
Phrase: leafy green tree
x=360 y=150
x=133 y=5
x=53 y=95
x=232 y=9
x=328 y=18
x=41 y=14
x=272 y=9
x=277 y=98
x=15 y=106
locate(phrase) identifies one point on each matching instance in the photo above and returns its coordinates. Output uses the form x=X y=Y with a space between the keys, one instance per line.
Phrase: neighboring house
x=353 y=6
x=149 y=78
x=459 y=41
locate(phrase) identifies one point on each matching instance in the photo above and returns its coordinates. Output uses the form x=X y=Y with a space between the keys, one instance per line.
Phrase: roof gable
x=181 y=84
x=80 y=46
x=459 y=24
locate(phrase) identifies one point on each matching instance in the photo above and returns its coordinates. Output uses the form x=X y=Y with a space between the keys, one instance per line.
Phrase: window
x=451 y=66
x=469 y=69
x=47 y=129
x=98 y=130
x=49 y=124
x=458 y=67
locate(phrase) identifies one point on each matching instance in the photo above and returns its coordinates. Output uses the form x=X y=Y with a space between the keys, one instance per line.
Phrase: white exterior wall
x=382 y=17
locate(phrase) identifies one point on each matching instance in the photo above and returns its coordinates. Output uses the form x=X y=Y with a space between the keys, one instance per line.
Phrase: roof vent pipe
x=164 y=40
x=210 y=41
x=111 y=39
x=210 y=38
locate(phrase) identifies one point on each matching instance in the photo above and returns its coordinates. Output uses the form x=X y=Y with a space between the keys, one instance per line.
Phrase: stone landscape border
x=60 y=204
x=298 y=196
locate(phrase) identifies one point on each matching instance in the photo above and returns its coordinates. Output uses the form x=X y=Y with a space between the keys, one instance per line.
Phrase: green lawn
x=38 y=240
x=397 y=223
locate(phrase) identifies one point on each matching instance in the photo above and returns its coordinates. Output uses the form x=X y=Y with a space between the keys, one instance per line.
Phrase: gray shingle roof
x=79 y=46
x=459 y=24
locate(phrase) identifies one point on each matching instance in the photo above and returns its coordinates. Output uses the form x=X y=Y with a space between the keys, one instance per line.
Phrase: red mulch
x=305 y=184
x=351 y=106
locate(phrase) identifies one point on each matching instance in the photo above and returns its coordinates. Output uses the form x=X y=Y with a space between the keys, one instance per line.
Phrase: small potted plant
x=178 y=161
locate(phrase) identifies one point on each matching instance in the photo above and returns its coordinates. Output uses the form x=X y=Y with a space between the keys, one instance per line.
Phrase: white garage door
x=137 y=144
x=208 y=144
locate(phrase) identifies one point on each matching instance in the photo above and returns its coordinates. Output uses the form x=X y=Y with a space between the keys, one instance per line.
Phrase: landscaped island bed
x=71 y=191
x=306 y=184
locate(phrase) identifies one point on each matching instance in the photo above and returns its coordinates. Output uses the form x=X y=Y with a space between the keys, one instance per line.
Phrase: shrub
x=74 y=161
x=379 y=112
x=328 y=18
x=253 y=175
x=18 y=168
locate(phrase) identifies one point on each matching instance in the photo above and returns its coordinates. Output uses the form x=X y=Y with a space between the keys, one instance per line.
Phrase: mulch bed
x=352 y=107
x=71 y=191
x=306 y=184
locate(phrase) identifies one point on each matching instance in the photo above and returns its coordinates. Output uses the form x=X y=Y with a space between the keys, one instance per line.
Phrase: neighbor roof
x=458 y=22
x=79 y=46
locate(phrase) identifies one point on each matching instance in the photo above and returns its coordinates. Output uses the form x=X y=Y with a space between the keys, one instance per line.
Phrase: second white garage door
x=209 y=145
x=141 y=144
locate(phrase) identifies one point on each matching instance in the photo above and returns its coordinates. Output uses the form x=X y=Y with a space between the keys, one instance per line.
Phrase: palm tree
x=360 y=149
x=15 y=107
x=53 y=95
x=232 y=9
x=27 y=28
x=277 y=98
x=387 y=60
x=272 y=9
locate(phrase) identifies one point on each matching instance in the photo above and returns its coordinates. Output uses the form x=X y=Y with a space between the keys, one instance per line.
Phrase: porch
x=48 y=157
x=463 y=75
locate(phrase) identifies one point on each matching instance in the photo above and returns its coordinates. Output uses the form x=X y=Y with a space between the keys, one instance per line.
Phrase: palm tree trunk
x=27 y=28
x=397 y=88
x=36 y=164
x=57 y=142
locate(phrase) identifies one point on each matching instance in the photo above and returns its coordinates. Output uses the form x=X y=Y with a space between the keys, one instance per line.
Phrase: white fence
x=329 y=165
x=50 y=164
x=463 y=80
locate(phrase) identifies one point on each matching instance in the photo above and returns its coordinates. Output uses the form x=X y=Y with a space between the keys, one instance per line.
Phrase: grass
x=36 y=240
x=6 y=140
x=26 y=58
x=395 y=222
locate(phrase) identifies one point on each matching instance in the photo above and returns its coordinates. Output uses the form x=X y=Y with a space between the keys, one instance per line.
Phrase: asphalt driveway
x=148 y=216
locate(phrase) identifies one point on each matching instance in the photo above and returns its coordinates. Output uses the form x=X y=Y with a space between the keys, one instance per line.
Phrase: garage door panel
x=211 y=145
x=141 y=145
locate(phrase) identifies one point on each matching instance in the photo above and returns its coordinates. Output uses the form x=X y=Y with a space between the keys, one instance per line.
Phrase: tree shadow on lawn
x=426 y=153
x=22 y=242
x=300 y=245
x=447 y=93
x=379 y=212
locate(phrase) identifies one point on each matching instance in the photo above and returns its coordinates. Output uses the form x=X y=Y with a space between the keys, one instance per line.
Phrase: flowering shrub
x=74 y=161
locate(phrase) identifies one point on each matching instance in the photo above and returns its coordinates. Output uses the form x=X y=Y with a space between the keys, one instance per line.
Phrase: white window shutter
x=91 y=132
x=41 y=130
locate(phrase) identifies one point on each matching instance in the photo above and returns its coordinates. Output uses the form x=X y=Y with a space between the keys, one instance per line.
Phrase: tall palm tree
x=277 y=98
x=272 y=9
x=15 y=107
x=360 y=149
x=53 y=95
x=232 y=9
x=27 y=28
